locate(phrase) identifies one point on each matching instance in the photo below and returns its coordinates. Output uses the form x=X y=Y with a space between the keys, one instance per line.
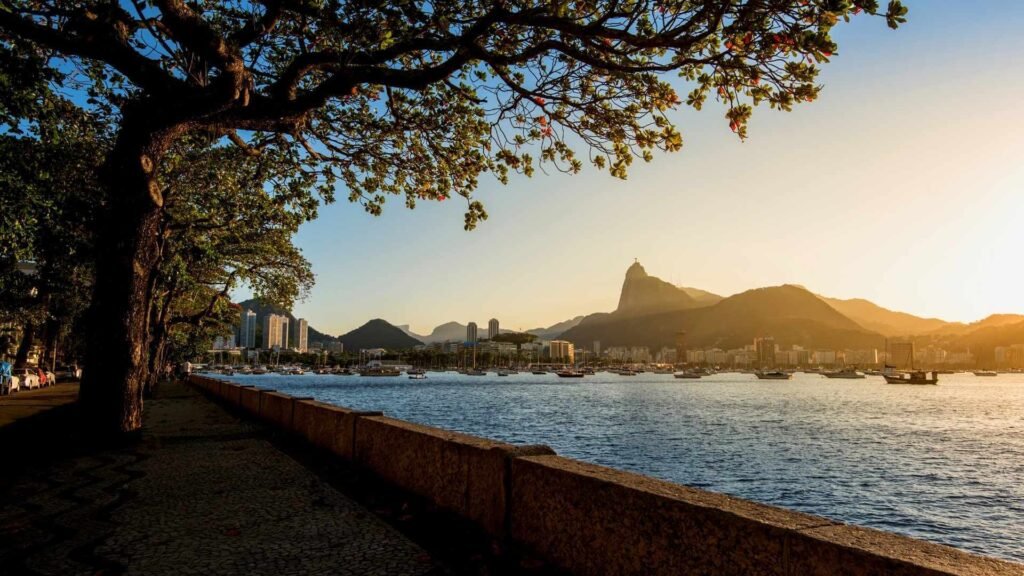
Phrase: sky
x=901 y=184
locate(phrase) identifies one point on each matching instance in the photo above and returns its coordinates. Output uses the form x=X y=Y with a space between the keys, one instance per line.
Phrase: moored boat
x=987 y=373
x=773 y=375
x=687 y=375
x=845 y=373
x=915 y=377
x=379 y=371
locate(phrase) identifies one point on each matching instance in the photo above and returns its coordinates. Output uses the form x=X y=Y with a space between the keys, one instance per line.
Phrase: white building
x=275 y=331
x=492 y=328
x=471 y=332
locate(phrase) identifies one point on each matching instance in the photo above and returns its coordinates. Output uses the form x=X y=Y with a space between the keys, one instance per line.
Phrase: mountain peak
x=636 y=271
x=646 y=294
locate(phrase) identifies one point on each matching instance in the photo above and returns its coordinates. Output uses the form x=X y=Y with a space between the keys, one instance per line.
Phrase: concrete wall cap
x=685 y=495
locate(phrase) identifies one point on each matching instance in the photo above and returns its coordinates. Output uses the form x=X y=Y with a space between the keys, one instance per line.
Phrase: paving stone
x=202 y=492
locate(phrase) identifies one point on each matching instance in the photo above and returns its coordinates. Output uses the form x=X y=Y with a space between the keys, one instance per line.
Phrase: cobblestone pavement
x=202 y=492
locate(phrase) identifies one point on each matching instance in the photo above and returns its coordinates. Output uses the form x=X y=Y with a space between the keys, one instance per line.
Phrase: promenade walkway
x=202 y=492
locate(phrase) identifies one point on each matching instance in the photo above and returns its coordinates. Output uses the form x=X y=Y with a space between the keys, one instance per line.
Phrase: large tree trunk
x=128 y=252
x=28 y=338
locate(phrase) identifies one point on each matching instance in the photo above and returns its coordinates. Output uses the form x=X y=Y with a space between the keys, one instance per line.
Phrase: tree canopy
x=418 y=99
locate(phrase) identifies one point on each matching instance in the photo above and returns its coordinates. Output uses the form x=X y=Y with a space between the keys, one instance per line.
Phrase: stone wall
x=593 y=520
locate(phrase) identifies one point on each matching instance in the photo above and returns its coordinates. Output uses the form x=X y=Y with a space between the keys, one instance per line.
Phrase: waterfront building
x=666 y=355
x=695 y=356
x=561 y=351
x=862 y=357
x=471 y=337
x=301 y=335
x=965 y=358
x=275 y=331
x=334 y=346
x=492 y=328
x=224 y=342
x=744 y=357
x=1010 y=356
x=717 y=357
x=765 y=348
x=824 y=357
x=247 y=329
x=681 y=345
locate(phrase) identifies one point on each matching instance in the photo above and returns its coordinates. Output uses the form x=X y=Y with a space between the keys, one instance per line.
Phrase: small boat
x=845 y=373
x=475 y=373
x=415 y=372
x=774 y=375
x=502 y=373
x=539 y=372
x=627 y=373
x=915 y=377
x=379 y=371
x=569 y=374
x=986 y=373
x=417 y=376
x=687 y=375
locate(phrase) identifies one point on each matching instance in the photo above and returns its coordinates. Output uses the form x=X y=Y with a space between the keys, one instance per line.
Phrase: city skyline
x=912 y=130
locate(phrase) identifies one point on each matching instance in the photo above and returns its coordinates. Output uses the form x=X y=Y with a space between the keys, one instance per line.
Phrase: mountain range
x=651 y=312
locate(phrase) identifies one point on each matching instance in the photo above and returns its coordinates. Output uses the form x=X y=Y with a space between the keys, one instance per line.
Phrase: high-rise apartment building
x=301 y=335
x=562 y=351
x=471 y=332
x=765 y=349
x=275 y=331
x=247 y=330
x=492 y=328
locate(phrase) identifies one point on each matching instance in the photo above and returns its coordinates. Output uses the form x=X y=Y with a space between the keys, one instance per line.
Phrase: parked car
x=28 y=378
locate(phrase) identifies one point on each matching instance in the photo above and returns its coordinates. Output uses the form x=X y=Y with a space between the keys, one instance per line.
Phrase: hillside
x=884 y=321
x=992 y=321
x=555 y=330
x=790 y=314
x=377 y=333
x=702 y=297
x=983 y=341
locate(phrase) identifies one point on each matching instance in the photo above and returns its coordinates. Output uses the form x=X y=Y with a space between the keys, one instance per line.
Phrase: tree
x=47 y=170
x=222 y=228
x=409 y=98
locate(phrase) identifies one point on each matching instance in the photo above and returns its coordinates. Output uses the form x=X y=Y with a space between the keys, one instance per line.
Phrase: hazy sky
x=902 y=184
